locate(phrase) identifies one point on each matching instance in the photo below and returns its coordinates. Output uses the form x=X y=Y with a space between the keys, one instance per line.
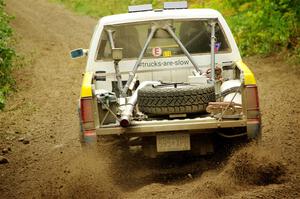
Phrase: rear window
x=195 y=36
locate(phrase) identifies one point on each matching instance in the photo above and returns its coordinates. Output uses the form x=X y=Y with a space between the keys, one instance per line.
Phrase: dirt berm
x=52 y=164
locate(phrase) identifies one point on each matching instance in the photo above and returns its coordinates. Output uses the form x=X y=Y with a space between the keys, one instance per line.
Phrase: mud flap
x=89 y=137
x=254 y=129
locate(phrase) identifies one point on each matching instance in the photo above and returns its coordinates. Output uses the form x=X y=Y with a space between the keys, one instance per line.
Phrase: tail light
x=86 y=113
x=251 y=95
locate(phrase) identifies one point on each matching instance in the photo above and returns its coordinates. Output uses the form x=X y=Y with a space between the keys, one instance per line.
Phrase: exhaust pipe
x=126 y=114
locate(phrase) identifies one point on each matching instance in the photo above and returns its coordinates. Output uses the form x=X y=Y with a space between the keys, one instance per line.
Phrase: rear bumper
x=191 y=126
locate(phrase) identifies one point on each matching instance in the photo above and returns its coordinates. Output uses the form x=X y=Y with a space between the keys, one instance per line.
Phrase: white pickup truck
x=167 y=80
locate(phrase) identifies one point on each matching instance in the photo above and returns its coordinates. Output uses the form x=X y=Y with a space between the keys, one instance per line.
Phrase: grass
x=7 y=55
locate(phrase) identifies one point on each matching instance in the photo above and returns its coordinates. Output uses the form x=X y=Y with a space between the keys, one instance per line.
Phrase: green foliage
x=100 y=8
x=7 y=55
x=259 y=26
x=264 y=26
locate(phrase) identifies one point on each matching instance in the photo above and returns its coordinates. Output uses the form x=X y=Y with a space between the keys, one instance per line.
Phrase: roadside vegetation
x=7 y=55
x=260 y=27
x=263 y=27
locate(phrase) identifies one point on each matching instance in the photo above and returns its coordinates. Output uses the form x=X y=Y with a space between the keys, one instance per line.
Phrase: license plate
x=173 y=142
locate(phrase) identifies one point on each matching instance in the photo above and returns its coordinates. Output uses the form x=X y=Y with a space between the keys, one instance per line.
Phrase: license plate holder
x=173 y=142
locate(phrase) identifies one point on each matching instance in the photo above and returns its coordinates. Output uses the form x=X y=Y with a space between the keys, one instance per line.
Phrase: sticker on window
x=217 y=47
x=167 y=53
x=156 y=52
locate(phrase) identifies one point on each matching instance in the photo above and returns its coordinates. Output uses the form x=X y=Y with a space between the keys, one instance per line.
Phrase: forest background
x=260 y=27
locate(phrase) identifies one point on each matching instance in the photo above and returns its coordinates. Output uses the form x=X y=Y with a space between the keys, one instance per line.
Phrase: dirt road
x=53 y=165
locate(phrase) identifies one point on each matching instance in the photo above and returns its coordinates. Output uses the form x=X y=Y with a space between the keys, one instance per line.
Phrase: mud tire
x=170 y=100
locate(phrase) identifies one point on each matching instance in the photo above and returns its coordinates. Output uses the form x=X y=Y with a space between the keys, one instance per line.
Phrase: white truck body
x=175 y=69
x=178 y=102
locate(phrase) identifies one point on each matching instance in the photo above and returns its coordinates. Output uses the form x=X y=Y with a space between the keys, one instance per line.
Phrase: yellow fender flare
x=86 y=88
x=249 y=78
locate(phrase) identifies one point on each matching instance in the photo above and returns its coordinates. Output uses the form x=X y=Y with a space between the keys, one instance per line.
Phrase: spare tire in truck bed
x=174 y=98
